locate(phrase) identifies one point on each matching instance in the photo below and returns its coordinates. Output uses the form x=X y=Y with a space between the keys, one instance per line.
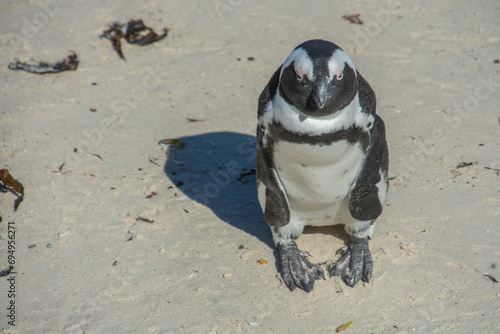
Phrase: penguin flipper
x=365 y=201
x=276 y=208
x=268 y=92
x=367 y=96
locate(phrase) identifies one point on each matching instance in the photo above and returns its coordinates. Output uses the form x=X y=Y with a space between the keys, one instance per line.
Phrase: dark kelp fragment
x=353 y=18
x=464 y=164
x=491 y=278
x=488 y=276
x=114 y=34
x=7 y=182
x=194 y=119
x=242 y=175
x=134 y=32
x=497 y=170
x=70 y=63
x=138 y=33
x=5 y=272
x=142 y=219
x=153 y=193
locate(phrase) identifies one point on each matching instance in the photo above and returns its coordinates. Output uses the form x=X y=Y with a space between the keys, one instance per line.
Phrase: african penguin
x=322 y=159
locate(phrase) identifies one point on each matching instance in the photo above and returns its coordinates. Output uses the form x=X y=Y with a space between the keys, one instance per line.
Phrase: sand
x=107 y=241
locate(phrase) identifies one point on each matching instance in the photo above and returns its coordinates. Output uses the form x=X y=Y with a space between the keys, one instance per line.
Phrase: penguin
x=322 y=159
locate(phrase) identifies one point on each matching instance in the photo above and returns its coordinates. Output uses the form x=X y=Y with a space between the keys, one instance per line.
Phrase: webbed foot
x=296 y=270
x=355 y=263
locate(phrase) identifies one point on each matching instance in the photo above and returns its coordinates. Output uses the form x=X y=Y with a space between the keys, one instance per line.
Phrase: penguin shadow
x=217 y=169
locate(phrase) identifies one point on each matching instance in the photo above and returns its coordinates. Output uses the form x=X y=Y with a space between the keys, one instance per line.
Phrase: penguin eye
x=339 y=77
x=299 y=76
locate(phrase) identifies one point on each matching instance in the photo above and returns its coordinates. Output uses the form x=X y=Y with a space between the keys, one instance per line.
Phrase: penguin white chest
x=317 y=178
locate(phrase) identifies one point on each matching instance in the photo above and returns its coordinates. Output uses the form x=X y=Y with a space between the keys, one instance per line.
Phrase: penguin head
x=318 y=78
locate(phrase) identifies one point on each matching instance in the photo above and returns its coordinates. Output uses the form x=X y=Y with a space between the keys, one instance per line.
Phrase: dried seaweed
x=497 y=170
x=60 y=169
x=131 y=236
x=142 y=219
x=134 y=32
x=153 y=162
x=8 y=183
x=242 y=175
x=153 y=193
x=114 y=34
x=70 y=63
x=194 y=119
x=97 y=156
x=5 y=272
x=488 y=276
x=353 y=18
x=491 y=278
x=464 y=164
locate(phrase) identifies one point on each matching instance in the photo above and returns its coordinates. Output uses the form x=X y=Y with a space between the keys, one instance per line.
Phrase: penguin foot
x=296 y=270
x=355 y=263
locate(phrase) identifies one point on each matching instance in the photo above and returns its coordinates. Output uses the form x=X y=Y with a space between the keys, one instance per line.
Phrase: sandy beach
x=117 y=234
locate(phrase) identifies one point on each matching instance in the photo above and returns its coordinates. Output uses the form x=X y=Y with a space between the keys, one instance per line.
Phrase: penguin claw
x=355 y=263
x=296 y=270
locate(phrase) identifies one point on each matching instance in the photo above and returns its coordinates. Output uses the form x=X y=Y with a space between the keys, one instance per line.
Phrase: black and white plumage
x=322 y=159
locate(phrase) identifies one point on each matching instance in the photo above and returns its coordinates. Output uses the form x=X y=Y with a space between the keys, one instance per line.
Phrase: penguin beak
x=320 y=91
